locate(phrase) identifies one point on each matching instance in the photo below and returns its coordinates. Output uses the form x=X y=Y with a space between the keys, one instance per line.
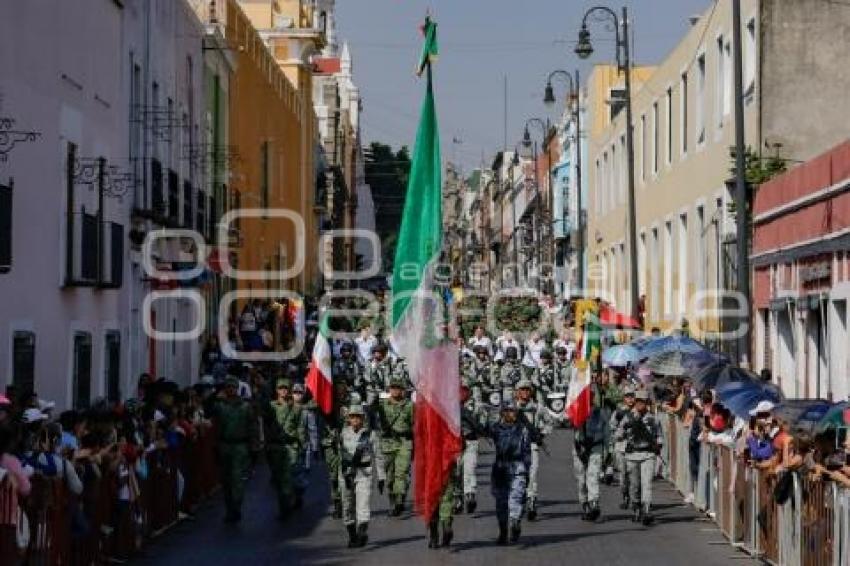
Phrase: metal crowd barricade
x=841 y=527
x=788 y=526
x=767 y=546
x=713 y=481
x=701 y=496
x=683 y=467
x=725 y=468
x=816 y=523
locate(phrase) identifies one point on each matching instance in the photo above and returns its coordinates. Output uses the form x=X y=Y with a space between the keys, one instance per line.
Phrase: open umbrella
x=712 y=377
x=741 y=397
x=802 y=415
x=671 y=344
x=696 y=361
x=620 y=356
x=838 y=416
x=667 y=363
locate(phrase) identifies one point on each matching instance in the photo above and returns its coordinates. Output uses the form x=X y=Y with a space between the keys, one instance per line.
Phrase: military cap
x=480 y=349
x=356 y=409
x=231 y=381
x=397 y=381
x=298 y=388
x=524 y=384
x=629 y=390
x=546 y=354
x=642 y=395
x=511 y=353
x=283 y=382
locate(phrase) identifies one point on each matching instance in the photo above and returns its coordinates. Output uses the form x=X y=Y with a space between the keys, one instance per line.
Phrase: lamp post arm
x=620 y=40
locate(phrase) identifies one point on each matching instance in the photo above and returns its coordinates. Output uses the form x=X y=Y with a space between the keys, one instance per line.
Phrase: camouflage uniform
x=395 y=419
x=331 y=426
x=473 y=424
x=536 y=417
x=355 y=479
x=643 y=441
x=237 y=431
x=286 y=435
x=510 y=472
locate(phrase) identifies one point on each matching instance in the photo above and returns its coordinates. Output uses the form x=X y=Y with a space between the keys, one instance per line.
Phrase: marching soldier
x=347 y=368
x=620 y=442
x=589 y=447
x=355 y=476
x=473 y=422
x=395 y=419
x=563 y=367
x=283 y=423
x=510 y=373
x=536 y=418
x=478 y=373
x=443 y=516
x=237 y=431
x=300 y=477
x=643 y=443
x=509 y=475
x=545 y=377
x=332 y=426
x=377 y=381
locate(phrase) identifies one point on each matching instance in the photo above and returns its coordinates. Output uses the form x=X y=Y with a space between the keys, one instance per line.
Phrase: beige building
x=683 y=129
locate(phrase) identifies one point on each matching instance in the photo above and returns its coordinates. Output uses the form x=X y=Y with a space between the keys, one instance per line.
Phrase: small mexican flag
x=579 y=401
x=319 y=377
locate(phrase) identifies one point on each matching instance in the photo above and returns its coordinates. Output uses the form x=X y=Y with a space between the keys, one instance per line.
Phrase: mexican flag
x=319 y=377
x=418 y=320
x=579 y=398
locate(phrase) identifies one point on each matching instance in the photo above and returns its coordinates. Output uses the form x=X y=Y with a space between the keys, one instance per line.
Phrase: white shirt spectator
x=364 y=344
x=533 y=348
x=481 y=341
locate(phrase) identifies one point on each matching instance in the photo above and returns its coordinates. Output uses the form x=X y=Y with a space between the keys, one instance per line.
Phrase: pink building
x=801 y=278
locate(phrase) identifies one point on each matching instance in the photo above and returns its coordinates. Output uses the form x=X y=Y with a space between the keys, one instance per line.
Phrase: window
x=615 y=176
x=683 y=263
x=188 y=200
x=82 y=370
x=720 y=81
x=606 y=184
x=5 y=227
x=700 y=109
x=624 y=280
x=157 y=196
x=642 y=264
x=70 y=160
x=624 y=168
x=668 y=267
x=112 y=358
x=653 y=274
x=200 y=217
x=264 y=175
x=173 y=196
x=699 y=257
x=669 y=118
x=727 y=79
x=643 y=148
x=750 y=53
x=136 y=129
x=598 y=186
x=616 y=101
x=23 y=362
x=656 y=127
x=683 y=113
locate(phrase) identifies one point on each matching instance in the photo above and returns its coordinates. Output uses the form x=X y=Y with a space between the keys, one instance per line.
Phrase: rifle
x=534 y=432
x=350 y=466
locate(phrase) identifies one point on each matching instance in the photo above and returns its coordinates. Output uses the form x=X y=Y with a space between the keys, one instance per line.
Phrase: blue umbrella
x=620 y=356
x=671 y=344
x=704 y=358
x=713 y=377
x=803 y=415
x=741 y=397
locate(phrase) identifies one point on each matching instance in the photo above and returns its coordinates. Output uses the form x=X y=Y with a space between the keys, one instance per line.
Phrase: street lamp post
x=584 y=49
x=526 y=141
x=549 y=99
x=514 y=233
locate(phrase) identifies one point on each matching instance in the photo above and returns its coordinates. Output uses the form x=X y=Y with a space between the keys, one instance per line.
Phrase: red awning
x=610 y=317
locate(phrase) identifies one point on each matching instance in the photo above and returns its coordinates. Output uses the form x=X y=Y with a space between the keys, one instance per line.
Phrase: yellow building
x=270 y=125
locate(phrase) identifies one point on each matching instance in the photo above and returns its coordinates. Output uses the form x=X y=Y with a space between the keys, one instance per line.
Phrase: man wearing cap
x=478 y=374
x=643 y=442
x=348 y=368
x=620 y=442
x=563 y=368
x=237 y=431
x=534 y=416
x=331 y=426
x=311 y=445
x=510 y=373
x=509 y=475
x=395 y=419
x=589 y=442
x=355 y=475
x=544 y=377
x=377 y=381
x=473 y=423
x=283 y=422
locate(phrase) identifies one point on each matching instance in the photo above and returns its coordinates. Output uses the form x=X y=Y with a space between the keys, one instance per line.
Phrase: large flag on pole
x=319 y=377
x=417 y=307
x=579 y=398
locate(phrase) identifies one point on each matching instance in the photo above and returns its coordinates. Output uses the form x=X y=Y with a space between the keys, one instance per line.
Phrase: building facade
x=801 y=279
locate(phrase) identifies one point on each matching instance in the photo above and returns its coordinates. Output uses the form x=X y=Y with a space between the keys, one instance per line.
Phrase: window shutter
x=5 y=228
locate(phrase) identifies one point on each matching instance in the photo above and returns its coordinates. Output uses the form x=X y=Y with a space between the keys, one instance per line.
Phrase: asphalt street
x=680 y=535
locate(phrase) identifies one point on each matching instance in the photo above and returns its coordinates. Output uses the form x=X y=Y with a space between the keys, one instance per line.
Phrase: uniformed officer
x=545 y=377
x=473 y=423
x=590 y=438
x=395 y=419
x=509 y=475
x=509 y=374
x=563 y=367
x=300 y=477
x=377 y=382
x=535 y=416
x=443 y=515
x=643 y=443
x=355 y=476
x=620 y=442
x=283 y=423
x=237 y=431
x=479 y=372
x=347 y=368
x=331 y=428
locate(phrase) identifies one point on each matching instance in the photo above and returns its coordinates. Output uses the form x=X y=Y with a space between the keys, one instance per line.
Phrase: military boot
x=532 y=509
x=352 y=535
x=433 y=533
x=585 y=512
x=398 y=507
x=637 y=513
x=595 y=513
x=516 y=530
x=471 y=504
x=448 y=533
x=626 y=502
x=337 y=514
x=647 y=516
x=458 y=505
x=362 y=534
x=503 y=532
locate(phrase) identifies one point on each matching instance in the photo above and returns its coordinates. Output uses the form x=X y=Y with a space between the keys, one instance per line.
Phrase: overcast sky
x=481 y=41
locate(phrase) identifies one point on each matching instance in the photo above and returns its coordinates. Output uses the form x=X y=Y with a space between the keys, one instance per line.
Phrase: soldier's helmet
x=546 y=354
x=524 y=384
x=231 y=381
x=380 y=348
x=356 y=409
x=511 y=353
x=397 y=381
x=642 y=395
x=508 y=405
x=629 y=391
x=284 y=382
x=480 y=349
x=298 y=388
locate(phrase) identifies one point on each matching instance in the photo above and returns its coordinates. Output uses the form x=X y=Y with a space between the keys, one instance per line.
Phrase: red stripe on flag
x=321 y=388
x=579 y=410
x=437 y=449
